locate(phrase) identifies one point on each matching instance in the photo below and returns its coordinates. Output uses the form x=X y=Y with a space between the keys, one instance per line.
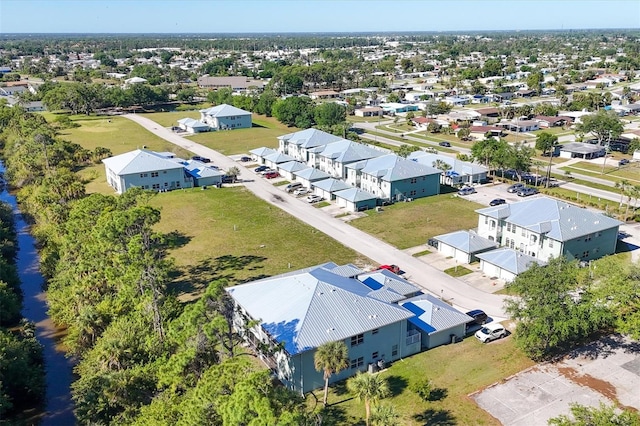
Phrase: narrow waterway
x=59 y=406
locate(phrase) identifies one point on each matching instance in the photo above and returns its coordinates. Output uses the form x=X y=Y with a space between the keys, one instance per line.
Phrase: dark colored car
x=525 y=192
x=443 y=143
x=515 y=187
x=479 y=317
x=245 y=159
x=228 y=179
x=497 y=202
x=201 y=159
x=623 y=162
x=432 y=242
x=260 y=169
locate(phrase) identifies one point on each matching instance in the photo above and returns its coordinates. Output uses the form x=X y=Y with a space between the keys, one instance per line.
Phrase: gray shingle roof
x=466 y=241
x=562 y=221
x=307 y=308
x=139 y=161
x=510 y=260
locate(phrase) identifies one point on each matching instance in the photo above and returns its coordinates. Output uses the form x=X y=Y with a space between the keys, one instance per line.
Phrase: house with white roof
x=203 y=174
x=506 y=263
x=333 y=157
x=193 y=126
x=464 y=246
x=391 y=177
x=258 y=154
x=298 y=144
x=459 y=172
x=146 y=169
x=327 y=187
x=328 y=303
x=288 y=170
x=310 y=175
x=226 y=117
x=544 y=227
x=355 y=199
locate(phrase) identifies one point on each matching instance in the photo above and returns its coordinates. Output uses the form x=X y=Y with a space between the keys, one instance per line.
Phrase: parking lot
x=606 y=371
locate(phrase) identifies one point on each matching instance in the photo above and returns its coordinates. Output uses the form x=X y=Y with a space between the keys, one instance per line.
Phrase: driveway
x=606 y=371
x=427 y=277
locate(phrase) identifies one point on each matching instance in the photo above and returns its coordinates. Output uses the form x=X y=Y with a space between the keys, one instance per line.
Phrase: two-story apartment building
x=391 y=177
x=297 y=144
x=146 y=169
x=543 y=228
x=226 y=117
x=333 y=157
x=328 y=303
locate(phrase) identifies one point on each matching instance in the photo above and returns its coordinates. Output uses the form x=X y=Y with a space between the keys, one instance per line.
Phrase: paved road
x=426 y=276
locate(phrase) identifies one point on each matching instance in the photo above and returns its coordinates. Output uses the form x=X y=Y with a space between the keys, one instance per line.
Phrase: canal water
x=59 y=375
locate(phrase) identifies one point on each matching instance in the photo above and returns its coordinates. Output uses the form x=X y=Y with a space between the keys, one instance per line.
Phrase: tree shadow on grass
x=332 y=415
x=438 y=394
x=396 y=384
x=175 y=239
x=257 y=125
x=194 y=279
x=435 y=417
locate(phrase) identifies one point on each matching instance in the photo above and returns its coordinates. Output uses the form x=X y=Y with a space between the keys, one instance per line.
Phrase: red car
x=393 y=268
x=272 y=175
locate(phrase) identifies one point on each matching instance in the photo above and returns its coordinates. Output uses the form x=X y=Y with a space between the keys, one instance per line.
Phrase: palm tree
x=331 y=358
x=622 y=185
x=384 y=415
x=369 y=388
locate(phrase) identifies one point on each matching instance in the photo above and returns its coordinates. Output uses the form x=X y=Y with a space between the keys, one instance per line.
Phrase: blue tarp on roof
x=372 y=284
x=416 y=320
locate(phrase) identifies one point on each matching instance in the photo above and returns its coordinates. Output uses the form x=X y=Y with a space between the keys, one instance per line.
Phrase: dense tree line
x=143 y=357
x=21 y=361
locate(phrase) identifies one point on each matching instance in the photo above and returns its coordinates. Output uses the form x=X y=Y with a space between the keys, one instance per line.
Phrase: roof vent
x=374 y=316
x=329 y=330
x=595 y=222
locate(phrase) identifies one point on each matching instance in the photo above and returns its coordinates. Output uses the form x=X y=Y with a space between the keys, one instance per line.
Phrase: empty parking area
x=607 y=371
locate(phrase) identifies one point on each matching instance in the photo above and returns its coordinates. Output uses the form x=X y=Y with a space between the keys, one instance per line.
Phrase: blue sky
x=229 y=16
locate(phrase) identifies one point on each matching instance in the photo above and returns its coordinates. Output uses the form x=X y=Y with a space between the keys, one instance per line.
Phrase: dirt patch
x=603 y=387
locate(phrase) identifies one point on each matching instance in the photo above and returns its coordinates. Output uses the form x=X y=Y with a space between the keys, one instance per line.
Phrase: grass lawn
x=405 y=225
x=455 y=370
x=264 y=132
x=457 y=271
x=215 y=238
x=422 y=253
x=629 y=172
x=168 y=119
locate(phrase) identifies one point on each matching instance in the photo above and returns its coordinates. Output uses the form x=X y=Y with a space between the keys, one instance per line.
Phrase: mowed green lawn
x=168 y=119
x=457 y=370
x=405 y=225
x=216 y=238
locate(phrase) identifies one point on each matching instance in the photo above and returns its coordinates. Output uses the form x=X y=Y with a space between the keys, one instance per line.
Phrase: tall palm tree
x=369 y=388
x=622 y=185
x=331 y=358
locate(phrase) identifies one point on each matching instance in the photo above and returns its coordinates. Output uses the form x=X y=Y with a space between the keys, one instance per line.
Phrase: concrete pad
x=607 y=371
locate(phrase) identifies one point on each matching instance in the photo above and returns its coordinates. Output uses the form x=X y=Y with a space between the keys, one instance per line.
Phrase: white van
x=293 y=186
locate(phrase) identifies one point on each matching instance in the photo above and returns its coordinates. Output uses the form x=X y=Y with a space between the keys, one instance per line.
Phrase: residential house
x=235 y=83
x=544 y=227
x=289 y=169
x=327 y=187
x=323 y=304
x=134 y=80
x=458 y=172
x=276 y=158
x=519 y=125
x=586 y=151
x=546 y=122
x=390 y=177
x=324 y=94
x=333 y=157
x=226 y=117
x=310 y=176
x=146 y=169
x=393 y=108
x=298 y=144
x=482 y=132
x=369 y=112
x=203 y=174
x=258 y=154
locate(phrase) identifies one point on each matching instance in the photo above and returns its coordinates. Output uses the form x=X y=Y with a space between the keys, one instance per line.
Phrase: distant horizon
x=312 y=16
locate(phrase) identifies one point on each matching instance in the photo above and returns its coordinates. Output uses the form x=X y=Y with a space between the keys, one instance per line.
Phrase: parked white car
x=301 y=191
x=491 y=331
x=313 y=199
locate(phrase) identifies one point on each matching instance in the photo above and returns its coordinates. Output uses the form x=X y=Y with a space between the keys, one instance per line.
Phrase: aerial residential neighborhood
x=380 y=228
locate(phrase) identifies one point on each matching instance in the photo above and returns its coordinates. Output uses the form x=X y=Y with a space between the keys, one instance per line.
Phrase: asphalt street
x=430 y=279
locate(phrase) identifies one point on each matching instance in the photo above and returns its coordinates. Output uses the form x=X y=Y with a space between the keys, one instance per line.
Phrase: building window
x=374 y=355
x=550 y=243
x=585 y=254
x=154 y=174
x=493 y=224
x=357 y=340
x=599 y=234
x=394 y=350
x=512 y=244
x=486 y=220
x=156 y=186
x=413 y=193
x=521 y=246
x=375 y=331
x=357 y=362
x=533 y=238
x=588 y=238
x=414 y=180
x=506 y=242
x=524 y=232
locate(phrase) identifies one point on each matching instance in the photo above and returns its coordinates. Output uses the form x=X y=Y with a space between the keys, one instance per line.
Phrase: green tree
x=329 y=114
x=233 y=172
x=330 y=358
x=434 y=127
x=369 y=388
x=605 y=125
x=384 y=415
x=596 y=416
x=492 y=67
x=545 y=141
x=294 y=111
x=405 y=149
x=548 y=316
x=464 y=133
